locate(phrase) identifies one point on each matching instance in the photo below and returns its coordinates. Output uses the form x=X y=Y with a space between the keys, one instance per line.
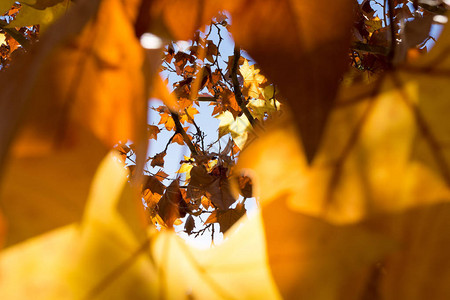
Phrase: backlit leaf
x=5 y=5
x=29 y=15
x=95 y=88
x=300 y=62
x=170 y=204
x=44 y=192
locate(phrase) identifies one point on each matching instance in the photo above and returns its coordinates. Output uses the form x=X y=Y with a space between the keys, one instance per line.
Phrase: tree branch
x=370 y=48
x=15 y=34
x=183 y=133
x=199 y=132
x=237 y=88
x=393 y=29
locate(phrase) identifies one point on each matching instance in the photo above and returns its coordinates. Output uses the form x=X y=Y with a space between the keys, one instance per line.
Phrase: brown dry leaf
x=227 y=218
x=170 y=204
x=161 y=175
x=153 y=184
x=245 y=186
x=189 y=225
x=158 y=160
x=219 y=192
x=302 y=62
x=199 y=180
x=417 y=30
x=151 y=200
x=206 y=202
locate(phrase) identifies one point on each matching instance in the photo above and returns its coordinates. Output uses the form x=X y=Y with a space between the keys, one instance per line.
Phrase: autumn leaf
x=41 y=193
x=112 y=255
x=153 y=132
x=167 y=120
x=252 y=80
x=383 y=145
x=314 y=252
x=237 y=127
x=242 y=254
x=189 y=224
x=178 y=20
x=98 y=91
x=185 y=168
x=153 y=184
x=300 y=62
x=199 y=180
x=382 y=167
x=178 y=138
x=161 y=175
x=421 y=234
x=5 y=5
x=219 y=193
x=373 y=24
x=245 y=186
x=367 y=218
x=113 y=228
x=206 y=203
x=172 y=205
x=227 y=218
x=158 y=160
x=40 y=13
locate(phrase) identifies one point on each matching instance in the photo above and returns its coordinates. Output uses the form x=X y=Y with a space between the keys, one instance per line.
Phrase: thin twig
x=183 y=133
x=199 y=131
x=15 y=34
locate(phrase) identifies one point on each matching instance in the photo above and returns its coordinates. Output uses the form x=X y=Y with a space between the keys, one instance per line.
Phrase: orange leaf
x=153 y=131
x=178 y=138
x=301 y=62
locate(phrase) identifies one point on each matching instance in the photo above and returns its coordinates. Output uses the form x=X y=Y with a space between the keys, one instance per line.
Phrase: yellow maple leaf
x=252 y=80
x=112 y=255
x=238 y=128
x=28 y=15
